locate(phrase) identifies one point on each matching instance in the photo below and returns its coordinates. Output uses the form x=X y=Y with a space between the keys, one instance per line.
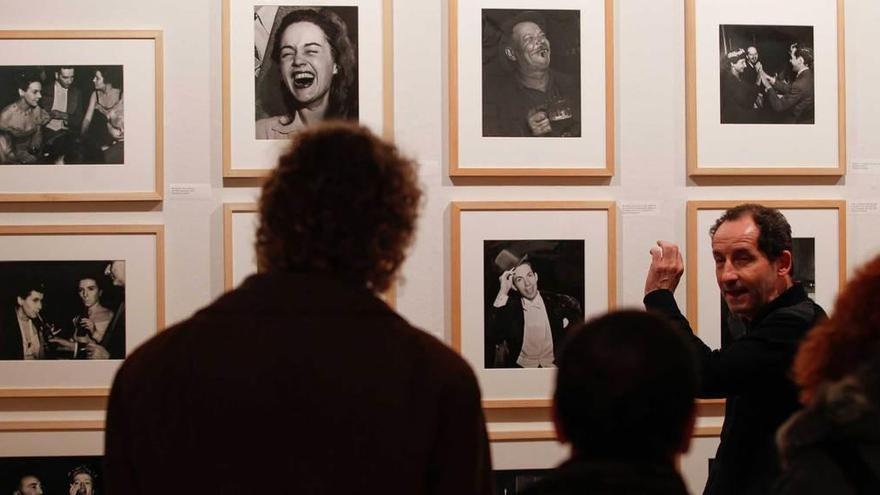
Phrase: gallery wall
x=650 y=170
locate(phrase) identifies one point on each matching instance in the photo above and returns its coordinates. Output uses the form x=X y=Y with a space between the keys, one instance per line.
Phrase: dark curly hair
x=343 y=89
x=848 y=340
x=775 y=232
x=340 y=201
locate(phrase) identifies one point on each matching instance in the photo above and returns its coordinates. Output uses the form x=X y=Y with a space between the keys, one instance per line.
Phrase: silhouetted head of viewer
x=625 y=390
x=341 y=202
x=317 y=64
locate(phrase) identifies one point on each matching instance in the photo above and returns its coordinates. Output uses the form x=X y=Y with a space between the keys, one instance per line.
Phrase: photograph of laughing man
x=305 y=67
x=531 y=73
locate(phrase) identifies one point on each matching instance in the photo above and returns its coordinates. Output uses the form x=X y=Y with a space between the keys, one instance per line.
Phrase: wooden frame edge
x=610 y=120
x=841 y=87
x=226 y=91
x=53 y=425
x=454 y=170
x=521 y=435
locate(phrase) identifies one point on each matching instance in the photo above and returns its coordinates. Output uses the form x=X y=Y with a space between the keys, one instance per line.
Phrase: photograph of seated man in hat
x=531 y=73
x=533 y=292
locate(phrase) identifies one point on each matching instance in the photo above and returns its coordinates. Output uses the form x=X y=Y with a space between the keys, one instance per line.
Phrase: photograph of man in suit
x=794 y=101
x=64 y=103
x=527 y=325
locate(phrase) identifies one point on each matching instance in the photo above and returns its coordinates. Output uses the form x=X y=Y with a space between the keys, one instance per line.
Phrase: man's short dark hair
x=340 y=201
x=81 y=469
x=806 y=53
x=24 y=287
x=625 y=388
x=774 y=235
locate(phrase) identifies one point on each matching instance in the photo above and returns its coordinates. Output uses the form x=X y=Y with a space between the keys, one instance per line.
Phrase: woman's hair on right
x=848 y=340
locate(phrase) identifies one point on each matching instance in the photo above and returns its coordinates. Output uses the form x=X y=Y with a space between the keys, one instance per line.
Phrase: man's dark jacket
x=753 y=374
x=296 y=383
x=507 y=322
x=10 y=337
x=795 y=100
x=586 y=477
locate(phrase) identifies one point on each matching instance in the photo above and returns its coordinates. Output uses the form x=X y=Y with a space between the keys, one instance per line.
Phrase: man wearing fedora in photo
x=526 y=325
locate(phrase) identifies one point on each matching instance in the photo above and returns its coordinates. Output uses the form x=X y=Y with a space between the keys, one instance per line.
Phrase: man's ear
x=335 y=69
x=508 y=51
x=19 y=300
x=784 y=263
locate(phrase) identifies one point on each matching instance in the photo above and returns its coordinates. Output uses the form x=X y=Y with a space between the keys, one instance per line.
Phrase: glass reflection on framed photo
x=80 y=115
x=517 y=263
x=289 y=64
x=76 y=301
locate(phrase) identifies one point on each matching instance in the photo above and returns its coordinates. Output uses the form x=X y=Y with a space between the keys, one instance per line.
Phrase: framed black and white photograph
x=544 y=102
x=818 y=256
x=523 y=274
x=80 y=115
x=31 y=475
x=533 y=291
x=62 y=310
x=76 y=300
x=290 y=64
x=765 y=88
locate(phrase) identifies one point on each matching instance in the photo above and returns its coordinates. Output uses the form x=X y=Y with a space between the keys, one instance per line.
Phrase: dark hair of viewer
x=848 y=340
x=340 y=201
x=775 y=232
x=625 y=388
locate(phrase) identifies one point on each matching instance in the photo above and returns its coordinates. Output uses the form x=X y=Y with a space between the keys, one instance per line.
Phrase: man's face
x=531 y=48
x=64 y=77
x=82 y=482
x=30 y=485
x=32 y=94
x=747 y=279
x=89 y=292
x=797 y=63
x=116 y=272
x=752 y=55
x=738 y=66
x=307 y=64
x=32 y=304
x=525 y=280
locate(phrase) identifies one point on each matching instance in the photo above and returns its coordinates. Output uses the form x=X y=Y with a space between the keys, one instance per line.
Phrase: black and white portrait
x=803 y=253
x=75 y=475
x=513 y=481
x=62 y=310
x=71 y=115
x=767 y=74
x=305 y=67
x=531 y=73
x=533 y=292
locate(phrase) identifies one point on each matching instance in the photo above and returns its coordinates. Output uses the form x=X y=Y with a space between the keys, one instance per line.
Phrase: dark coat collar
x=793 y=295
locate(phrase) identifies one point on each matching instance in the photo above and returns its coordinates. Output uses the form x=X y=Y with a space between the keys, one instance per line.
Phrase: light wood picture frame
x=564 y=244
x=251 y=98
x=39 y=255
x=487 y=133
x=818 y=230
x=239 y=257
x=109 y=151
x=736 y=131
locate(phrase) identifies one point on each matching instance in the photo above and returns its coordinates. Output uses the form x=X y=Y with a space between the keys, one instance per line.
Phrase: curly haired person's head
x=847 y=341
x=341 y=201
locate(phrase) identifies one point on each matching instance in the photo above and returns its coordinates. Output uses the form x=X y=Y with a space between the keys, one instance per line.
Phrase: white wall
x=649 y=46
